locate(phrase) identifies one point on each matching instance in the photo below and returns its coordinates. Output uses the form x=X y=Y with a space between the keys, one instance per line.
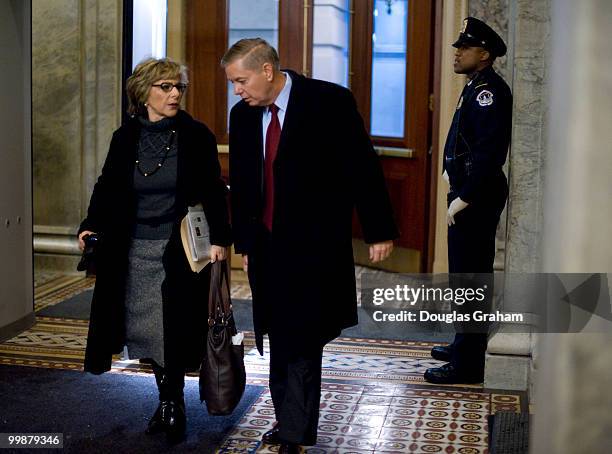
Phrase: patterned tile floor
x=393 y=419
x=373 y=399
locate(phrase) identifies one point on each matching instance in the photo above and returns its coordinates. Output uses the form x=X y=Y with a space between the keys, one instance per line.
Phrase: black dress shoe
x=271 y=436
x=176 y=421
x=448 y=375
x=442 y=353
x=289 y=448
x=157 y=423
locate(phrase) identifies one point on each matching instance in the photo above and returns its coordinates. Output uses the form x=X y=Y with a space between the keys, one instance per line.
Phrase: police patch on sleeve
x=485 y=98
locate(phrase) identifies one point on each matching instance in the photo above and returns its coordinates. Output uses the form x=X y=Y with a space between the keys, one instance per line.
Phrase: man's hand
x=245 y=263
x=217 y=253
x=455 y=207
x=81 y=240
x=380 y=251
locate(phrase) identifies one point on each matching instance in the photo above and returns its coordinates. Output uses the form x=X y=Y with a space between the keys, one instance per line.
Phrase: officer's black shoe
x=157 y=423
x=289 y=448
x=175 y=420
x=448 y=375
x=442 y=353
x=271 y=436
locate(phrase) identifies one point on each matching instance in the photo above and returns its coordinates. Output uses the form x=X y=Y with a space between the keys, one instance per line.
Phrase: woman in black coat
x=147 y=302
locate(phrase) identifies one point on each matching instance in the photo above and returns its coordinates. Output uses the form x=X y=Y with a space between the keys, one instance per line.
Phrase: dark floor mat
x=106 y=413
x=509 y=433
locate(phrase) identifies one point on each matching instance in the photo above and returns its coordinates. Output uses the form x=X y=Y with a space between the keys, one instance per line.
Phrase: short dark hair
x=255 y=52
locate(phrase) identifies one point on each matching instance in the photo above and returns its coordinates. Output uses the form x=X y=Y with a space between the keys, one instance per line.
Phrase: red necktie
x=272 y=138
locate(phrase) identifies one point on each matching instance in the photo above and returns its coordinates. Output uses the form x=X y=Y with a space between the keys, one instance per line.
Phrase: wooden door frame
x=207 y=37
x=434 y=176
x=295 y=35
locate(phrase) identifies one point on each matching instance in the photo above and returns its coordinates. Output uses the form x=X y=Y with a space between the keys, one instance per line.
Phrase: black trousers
x=295 y=365
x=471 y=249
x=295 y=385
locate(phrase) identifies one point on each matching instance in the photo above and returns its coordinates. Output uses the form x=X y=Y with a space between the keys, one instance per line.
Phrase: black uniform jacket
x=112 y=213
x=478 y=140
x=325 y=167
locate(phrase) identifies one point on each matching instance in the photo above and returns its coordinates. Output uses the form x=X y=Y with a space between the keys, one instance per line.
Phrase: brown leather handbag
x=222 y=373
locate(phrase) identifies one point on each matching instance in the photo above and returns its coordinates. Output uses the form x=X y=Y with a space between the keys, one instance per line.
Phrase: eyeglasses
x=168 y=86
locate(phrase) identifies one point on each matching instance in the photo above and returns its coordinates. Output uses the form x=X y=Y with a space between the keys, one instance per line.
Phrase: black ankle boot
x=157 y=423
x=170 y=414
x=175 y=420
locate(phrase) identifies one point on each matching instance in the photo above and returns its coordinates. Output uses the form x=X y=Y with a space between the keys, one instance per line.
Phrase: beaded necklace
x=159 y=165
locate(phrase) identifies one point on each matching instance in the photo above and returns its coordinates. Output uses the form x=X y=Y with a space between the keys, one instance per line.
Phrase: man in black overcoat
x=474 y=154
x=300 y=162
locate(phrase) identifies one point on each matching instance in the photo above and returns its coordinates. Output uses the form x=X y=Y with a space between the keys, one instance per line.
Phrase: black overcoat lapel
x=291 y=122
x=255 y=156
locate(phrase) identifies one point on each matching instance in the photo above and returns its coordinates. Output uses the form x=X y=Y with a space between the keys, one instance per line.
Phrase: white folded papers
x=195 y=236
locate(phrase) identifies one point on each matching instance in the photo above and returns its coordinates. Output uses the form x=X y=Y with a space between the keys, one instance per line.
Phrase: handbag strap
x=219 y=302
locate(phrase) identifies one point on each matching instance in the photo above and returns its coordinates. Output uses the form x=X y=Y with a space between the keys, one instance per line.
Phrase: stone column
x=574 y=374
x=76 y=99
x=509 y=361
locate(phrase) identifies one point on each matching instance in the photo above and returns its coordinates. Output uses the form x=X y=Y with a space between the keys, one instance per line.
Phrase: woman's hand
x=81 y=235
x=217 y=253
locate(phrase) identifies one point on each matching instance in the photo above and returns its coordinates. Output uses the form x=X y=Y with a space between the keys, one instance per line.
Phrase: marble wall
x=57 y=118
x=496 y=13
x=76 y=77
x=531 y=25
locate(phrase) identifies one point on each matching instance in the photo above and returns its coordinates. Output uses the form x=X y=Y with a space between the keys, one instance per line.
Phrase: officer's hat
x=476 y=33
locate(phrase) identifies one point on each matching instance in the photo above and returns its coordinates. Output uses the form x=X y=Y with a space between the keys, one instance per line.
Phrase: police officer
x=475 y=151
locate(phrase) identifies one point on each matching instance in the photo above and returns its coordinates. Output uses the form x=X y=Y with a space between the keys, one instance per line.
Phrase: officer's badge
x=465 y=22
x=460 y=103
x=485 y=98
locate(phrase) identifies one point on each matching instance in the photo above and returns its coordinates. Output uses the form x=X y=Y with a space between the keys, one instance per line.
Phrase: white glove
x=455 y=207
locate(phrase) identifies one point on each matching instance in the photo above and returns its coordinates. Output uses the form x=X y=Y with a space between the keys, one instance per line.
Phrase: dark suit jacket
x=325 y=167
x=112 y=213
